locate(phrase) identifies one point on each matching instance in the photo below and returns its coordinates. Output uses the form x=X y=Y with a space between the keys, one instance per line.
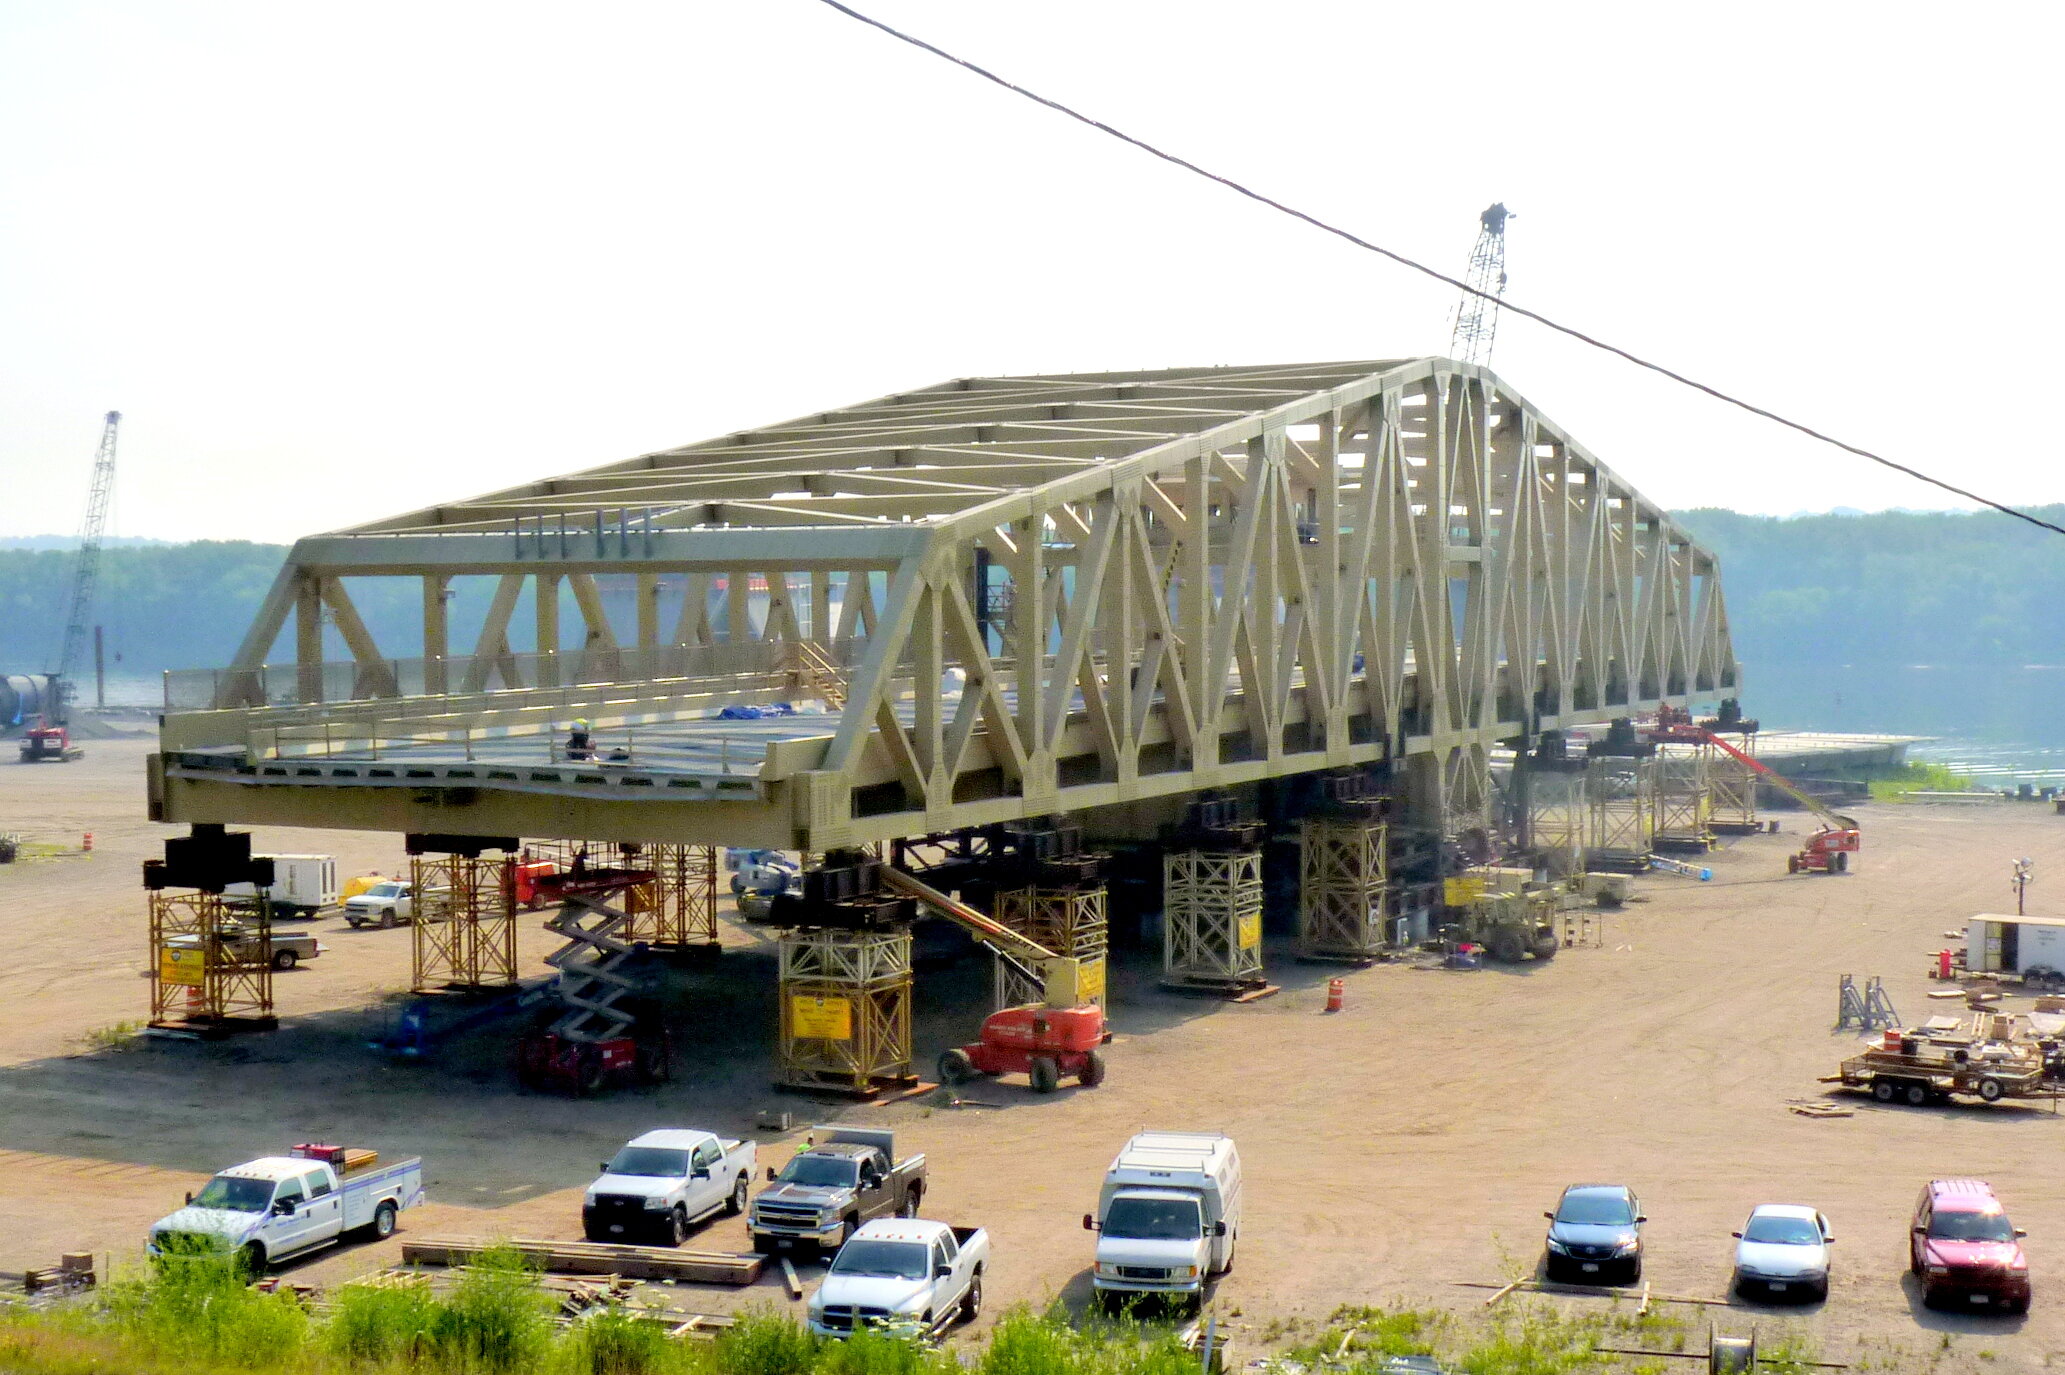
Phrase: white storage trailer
x=1168 y=1214
x=2016 y=945
x=303 y=884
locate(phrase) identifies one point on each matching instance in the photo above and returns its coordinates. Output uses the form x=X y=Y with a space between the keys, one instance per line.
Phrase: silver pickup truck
x=845 y=1176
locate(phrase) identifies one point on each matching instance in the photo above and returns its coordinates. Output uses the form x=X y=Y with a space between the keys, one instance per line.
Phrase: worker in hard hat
x=579 y=744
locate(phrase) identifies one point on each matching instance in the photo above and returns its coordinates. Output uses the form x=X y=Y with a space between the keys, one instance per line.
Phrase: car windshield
x=902 y=1260
x=1783 y=1231
x=1971 y=1227
x=652 y=1160
x=1153 y=1219
x=820 y=1171
x=1596 y=1210
x=384 y=890
x=235 y=1194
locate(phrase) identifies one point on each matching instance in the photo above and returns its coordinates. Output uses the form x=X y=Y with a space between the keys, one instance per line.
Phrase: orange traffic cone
x=1335 y=989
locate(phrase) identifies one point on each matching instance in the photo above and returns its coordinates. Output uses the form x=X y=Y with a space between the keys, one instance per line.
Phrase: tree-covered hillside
x=1891 y=588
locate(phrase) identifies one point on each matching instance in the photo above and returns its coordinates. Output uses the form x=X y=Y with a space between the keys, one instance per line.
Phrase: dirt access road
x=1406 y=1143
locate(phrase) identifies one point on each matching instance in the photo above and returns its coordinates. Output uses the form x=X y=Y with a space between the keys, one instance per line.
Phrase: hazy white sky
x=337 y=262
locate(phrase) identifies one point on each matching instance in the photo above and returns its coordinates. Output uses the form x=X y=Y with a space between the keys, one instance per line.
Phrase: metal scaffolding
x=211 y=967
x=1557 y=816
x=1734 y=785
x=1344 y=881
x=677 y=910
x=1684 y=797
x=1212 y=919
x=1068 y=921
x=464 y=928
x=845 y=1010
x=1620 y=812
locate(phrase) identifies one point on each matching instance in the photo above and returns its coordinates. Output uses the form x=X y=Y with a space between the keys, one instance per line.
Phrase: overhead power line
x=1241 y=189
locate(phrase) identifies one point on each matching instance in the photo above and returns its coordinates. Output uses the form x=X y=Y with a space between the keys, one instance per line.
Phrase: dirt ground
x=1393 y=1151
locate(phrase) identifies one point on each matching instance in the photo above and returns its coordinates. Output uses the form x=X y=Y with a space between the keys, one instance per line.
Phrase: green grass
x=115 y=1036
x=1914 y=778
x=195 y=1316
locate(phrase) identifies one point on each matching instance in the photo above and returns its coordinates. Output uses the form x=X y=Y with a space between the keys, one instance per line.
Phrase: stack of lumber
x=590 y=1258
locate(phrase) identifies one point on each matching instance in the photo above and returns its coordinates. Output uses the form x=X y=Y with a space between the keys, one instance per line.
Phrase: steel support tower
x=86 y=567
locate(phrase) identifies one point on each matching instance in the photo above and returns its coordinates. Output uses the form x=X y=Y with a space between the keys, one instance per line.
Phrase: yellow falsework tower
x=1344 y=884
x=211 y=968
x=677 y=909
x=1212 y=919
x=464 y=929
x=1067 y=921
x=845 y=1010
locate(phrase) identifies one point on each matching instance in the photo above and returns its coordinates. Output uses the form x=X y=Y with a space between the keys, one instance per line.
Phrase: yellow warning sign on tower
x=820 y=1019
x=180 y=966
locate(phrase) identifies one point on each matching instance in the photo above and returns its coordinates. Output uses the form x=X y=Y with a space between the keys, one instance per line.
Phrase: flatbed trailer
x=1935 y=1071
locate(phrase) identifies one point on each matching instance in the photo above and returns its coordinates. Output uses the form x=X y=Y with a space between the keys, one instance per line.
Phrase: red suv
x=1962 y=1243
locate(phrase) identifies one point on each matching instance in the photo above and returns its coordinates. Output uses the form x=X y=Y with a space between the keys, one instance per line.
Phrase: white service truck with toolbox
x=905 y=1275
x=664 y=1182
x=277 y=1206
x=1167 y=1216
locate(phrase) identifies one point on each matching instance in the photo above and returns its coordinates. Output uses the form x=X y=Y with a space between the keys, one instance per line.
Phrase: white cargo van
x=1168 y=1215
x=301 y=884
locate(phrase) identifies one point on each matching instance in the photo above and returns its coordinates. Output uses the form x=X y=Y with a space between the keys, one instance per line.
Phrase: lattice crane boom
x=1477 y=318
x=86 y=569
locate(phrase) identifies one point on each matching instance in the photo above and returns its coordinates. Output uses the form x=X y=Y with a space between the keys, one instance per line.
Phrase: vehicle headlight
x=587 y=1200
x=1558 y=1247
x=1628 y=1248
x=655 y=1204
x=1108 y=1271
x=1188 y=1272
x=1939 y=1269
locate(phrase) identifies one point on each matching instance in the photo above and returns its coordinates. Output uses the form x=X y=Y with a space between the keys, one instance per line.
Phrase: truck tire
x=677 y=1225
x=284 y=960
x=1792 y=864
x=1917 y=1095
x=913 y=1196
x=588 y=1075
x=1545 y=945
x=1045 y=1074
x=387 y=920
x=1882 y=1089
x=737 y=1203
x=955 y=1066
x=1506 y=947
x=1989 y=1090
x=252 y=1258
x=383 y=1221
x=1092 y=1072
x=971 y=1303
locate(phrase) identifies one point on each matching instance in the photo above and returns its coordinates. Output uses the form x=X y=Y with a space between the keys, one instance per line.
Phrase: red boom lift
x=1828 y=850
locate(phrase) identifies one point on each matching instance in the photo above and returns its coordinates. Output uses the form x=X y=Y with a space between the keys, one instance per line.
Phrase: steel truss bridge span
x=993 y=599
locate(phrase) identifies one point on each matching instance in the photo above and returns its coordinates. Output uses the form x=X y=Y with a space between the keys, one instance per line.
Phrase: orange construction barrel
x=1942 y=964
x=1335 y=988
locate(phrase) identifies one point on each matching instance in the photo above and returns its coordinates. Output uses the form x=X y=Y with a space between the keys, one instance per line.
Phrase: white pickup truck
x=389 y=903
x=666 y=1181
x=904 y=1275
x=281 y=1205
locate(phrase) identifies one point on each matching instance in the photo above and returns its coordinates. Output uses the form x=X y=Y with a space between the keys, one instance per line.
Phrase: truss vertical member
x=845 y=1010
x=1344 y=884
x=677 y=911
x=464 y=929
x=211 y=969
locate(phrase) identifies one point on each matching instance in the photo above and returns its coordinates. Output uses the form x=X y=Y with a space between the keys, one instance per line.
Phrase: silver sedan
x=1783 y=1249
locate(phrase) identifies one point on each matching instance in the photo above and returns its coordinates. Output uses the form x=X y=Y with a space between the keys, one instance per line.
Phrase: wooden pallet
x=590 y=1258
x=1231 y=990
